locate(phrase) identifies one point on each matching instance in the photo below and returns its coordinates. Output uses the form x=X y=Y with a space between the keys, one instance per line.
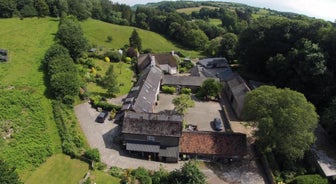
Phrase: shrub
x=113 y=55
x=100 y=166
x=186 y=91
x=109 y=38
x=106 y=106
x=92 y=154
x=116 y=172
x=309 y=179
x=168 y=89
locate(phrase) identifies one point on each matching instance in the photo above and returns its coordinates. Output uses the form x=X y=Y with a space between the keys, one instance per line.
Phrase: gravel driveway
x=100 y=135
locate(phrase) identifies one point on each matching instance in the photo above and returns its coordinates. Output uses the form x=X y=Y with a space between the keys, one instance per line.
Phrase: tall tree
x=285 y=119
x=182 y=103
x=209 y=89
x=7 y=8
x=41 y=7
x=8 y=174
x=135 y=40
x=71 y=36
x=228 y=45
x=328 y=118
x=110 y=82
x=188 y=174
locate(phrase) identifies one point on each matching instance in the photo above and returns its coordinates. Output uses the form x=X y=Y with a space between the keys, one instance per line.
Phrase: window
x=150 y=138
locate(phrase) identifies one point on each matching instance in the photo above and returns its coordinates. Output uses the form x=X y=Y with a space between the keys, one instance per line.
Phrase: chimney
x=152 y=60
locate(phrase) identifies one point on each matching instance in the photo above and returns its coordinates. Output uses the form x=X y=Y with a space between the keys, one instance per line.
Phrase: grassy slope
x=97 y=32
x=27 y=40
x=59 y=169
x=190 y=10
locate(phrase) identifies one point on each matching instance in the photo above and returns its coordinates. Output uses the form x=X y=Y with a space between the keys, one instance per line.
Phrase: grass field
x=215 y=22
x=124 y=73
x=190 y=10
x=98 y=31
x=59 y=169
x=27 y=40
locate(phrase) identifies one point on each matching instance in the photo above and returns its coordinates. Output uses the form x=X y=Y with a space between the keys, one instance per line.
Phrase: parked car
x=217 y=124
x=101 y=117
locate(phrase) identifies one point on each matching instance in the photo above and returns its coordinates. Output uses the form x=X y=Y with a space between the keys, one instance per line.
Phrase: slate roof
x=213 y=143
x=238 y=87
x=156 y=124
x=183 y=80
x=214 y=62
x=144 y=60
x=142 y=96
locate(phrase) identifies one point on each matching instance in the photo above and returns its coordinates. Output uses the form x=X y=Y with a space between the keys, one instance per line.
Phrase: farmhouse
x=152 y=134
x=214 y=145
x=143 y=95
x=165 y=61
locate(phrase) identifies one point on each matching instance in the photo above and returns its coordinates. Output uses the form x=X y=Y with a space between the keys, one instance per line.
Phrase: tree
x=285 y=119
x=209 y=89
x=135 y=40
x=188 y=174
x=7 y=8
x=196 y=38
x=182 y=103
x=80 y=8
x=328 y=118
x=228 y=45
x=65 y=86
x=8 y=175
x=71 y=36
x=110 y=82
x=41 y=7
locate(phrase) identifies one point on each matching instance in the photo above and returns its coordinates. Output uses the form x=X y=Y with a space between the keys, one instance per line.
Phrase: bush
x=100 y=166
x=117 y=172
x=109 y=39
x=168 y=89
x=106 y=106
x=92 y=154
x=309 y=179
x=186 y=91
x=113 y=55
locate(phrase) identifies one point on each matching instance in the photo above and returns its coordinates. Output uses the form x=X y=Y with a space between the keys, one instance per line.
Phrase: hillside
x=97 y=31
x=25 y=111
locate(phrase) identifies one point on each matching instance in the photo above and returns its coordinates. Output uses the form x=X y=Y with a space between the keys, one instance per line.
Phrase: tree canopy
x=71 y=36
x=110 y=82
x=8 y=174
x=182 y=103
x=285 y=119
x=135 y=40
x=209 y=89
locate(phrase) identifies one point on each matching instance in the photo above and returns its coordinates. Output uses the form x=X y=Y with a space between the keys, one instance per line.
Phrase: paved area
x=101 y=135
x=201 y=115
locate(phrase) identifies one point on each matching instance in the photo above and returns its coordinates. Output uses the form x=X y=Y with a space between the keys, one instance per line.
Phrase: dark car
x=101 y=117
x=217 y=124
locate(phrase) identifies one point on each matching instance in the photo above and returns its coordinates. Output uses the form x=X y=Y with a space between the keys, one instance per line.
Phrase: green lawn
x=193 y=9
x=97 y=31
x=124 y=73
x=27 y=40
x=100 y=177
x=60 y=169
x=215 y=22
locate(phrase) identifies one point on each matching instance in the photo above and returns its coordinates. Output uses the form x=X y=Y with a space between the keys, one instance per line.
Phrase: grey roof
x=144 y=60
x=169 y=152
x=214 y=62
x=143 y=146
x=183 y=80
x=157 y=124
x=142 y=96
